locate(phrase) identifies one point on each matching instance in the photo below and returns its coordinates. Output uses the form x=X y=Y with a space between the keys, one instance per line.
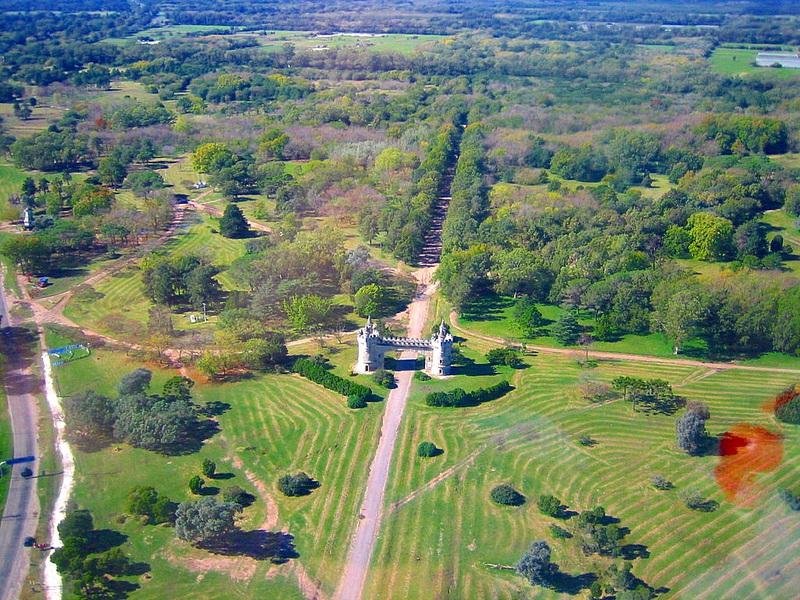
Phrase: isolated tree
x=209 y=468
x=298 y=484
x=567 y=330
x=506 y=495
x=535 y=565
x=196 y=484
x=237 y=495
x=205 y=520
x=427 y=450
x=232 y=224
x=146 y=501
x=528 y=317
x=691 y=428
x=549 y=505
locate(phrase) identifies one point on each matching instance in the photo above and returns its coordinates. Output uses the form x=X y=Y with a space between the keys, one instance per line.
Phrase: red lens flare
x=744 y=451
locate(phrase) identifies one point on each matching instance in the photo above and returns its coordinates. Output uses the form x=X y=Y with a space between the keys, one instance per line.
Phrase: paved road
x=351 y=585
x=21 y=513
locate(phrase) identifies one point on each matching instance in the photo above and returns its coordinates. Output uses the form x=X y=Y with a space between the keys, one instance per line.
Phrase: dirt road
x=352 y=582
x=642 y=358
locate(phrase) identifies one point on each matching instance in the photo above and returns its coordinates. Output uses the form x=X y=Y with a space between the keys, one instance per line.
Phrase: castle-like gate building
x=372 y=347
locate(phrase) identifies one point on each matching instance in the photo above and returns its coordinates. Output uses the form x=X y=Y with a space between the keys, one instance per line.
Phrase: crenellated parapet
x=372 y=348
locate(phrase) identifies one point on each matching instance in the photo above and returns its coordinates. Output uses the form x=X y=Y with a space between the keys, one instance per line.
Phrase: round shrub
x=428 y=450
x=422 y=376
x=507 y=495
x=356 y=402
x=383 y=378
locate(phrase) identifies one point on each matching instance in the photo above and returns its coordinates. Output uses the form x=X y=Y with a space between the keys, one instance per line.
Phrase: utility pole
x=205 y=318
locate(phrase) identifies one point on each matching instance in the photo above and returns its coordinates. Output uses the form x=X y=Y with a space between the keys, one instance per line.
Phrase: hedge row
x=317 y=374
x=459 y=397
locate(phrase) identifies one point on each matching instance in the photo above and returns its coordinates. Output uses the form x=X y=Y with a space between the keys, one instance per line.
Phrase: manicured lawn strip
x=6 y=447
x=441 y=540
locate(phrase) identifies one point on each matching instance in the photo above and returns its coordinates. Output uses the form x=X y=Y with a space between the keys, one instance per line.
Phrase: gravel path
x=351 y=585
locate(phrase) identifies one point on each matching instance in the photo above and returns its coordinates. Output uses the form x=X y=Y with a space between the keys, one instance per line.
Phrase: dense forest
x=590 y=156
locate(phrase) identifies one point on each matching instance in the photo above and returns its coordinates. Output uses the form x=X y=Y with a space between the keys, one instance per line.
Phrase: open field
x=273 y=40
x=306 y=40
x=440 y=540
x=118 y=301
x=740 y=61
x=273 y=424
x=11 y=179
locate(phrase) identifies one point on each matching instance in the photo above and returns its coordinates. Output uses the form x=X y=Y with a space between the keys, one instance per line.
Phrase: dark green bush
x=356 y=402
x=507 y=495
x=559 y=532
x=549 y=505
x=298 y=484
x=383 y=378
x=789 y=411
x=791 y=499
x=428 y=450
x=313 y=371
x=459 y=397
x=504 y=356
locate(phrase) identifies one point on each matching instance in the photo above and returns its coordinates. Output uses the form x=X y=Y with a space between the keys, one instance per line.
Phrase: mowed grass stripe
x=684 y=544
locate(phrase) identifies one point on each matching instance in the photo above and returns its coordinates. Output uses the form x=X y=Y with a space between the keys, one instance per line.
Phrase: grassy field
x=438 y=542
x=118 y=301
x=11 y=179
x=273 y=424
x=741 y=61
x=6 y=447
x=305 y=40
x=273 y=40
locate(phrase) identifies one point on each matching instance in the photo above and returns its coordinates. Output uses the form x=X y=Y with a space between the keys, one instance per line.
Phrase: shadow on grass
x=120 y=588
x=214 y=408
x=223 y=476
x=100 y=540
x=209 y=490
x=488 y=308
x=564 y=583
x=258 y=544
x=202 y=430
x=633 y=551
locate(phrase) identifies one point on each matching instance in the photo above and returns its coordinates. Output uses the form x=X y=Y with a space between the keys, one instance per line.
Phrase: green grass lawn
x=6 y=448
x=11 y=179
x=273 y=424
x=741 y=61
x=117 y=305
x=440 y=540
